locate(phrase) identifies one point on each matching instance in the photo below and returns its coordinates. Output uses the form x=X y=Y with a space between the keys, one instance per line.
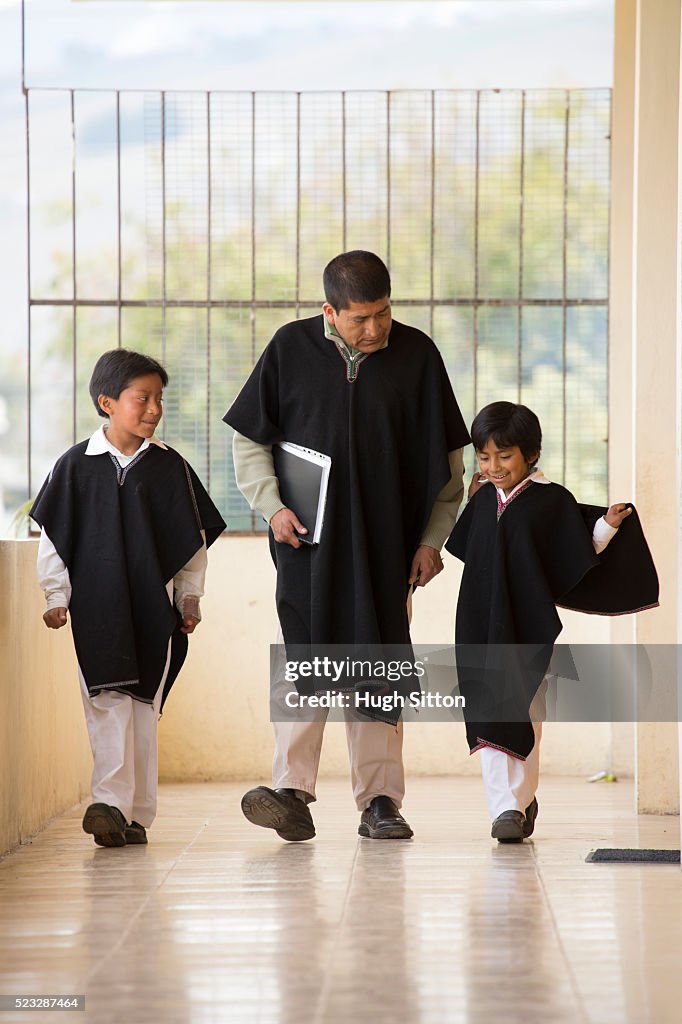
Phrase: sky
x=290 y=45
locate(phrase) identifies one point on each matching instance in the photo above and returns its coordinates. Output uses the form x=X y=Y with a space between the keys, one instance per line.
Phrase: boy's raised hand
x=477 y=481
x=55 y=618
x=617 y=513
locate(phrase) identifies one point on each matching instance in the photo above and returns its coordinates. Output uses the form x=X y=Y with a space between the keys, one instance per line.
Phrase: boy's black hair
x=356 y=276
x=114 y=371
x=508 y=426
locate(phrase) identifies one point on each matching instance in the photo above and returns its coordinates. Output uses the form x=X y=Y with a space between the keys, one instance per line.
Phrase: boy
x=125 y=528
x=526 y=546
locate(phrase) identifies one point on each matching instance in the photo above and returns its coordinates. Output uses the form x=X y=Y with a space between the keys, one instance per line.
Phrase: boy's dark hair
x=114 y=371
x=356 y=276
x=508 y=426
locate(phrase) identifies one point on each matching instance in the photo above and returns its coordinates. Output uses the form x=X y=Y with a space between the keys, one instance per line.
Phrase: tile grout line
x=323 y=997
x=555 y=927
x=127 y=930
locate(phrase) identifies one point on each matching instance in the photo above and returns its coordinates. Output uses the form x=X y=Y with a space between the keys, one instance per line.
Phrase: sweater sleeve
x=255 y=475
x=444 y=512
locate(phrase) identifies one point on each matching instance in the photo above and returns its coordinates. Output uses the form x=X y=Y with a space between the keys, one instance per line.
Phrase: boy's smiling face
x=135 y=414
x=504 y=467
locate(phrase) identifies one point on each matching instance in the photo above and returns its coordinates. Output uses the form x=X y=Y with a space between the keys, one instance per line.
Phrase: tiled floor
x=219 y=921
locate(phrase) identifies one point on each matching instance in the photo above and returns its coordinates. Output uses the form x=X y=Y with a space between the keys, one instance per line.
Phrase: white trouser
x=122 y=734
x=510 y=783
x=374 y=748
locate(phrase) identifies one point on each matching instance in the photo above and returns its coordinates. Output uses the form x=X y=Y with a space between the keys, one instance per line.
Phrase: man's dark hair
x=116 y=370
x=508 y=426
x=356 y=276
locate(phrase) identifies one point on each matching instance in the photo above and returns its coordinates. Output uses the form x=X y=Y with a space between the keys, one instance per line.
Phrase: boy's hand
x=616 y=514
x=191 y=617
x=55 y=618
x=477 y=481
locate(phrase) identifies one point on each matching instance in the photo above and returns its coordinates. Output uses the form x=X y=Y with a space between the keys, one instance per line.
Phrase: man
x=373 y=395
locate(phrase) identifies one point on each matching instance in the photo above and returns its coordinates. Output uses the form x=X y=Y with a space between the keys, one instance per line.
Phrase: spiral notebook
x=303 y=475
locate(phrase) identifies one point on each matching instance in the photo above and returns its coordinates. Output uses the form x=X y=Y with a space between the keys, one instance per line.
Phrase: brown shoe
x=531 y=815
x=106 y=824
x=135 y=834
x=508 y=827
x=281 y=810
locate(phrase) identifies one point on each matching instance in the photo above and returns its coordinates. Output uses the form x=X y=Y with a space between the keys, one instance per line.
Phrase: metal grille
x=191 y=225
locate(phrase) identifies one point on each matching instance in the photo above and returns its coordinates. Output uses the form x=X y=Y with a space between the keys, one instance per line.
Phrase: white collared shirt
x=53 y=574
x=99 y=444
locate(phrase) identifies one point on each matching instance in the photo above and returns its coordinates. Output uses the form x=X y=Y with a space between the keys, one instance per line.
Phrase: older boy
x=125 y=528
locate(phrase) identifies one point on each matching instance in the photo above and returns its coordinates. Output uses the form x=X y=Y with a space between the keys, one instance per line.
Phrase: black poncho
x=123 y=534
x=388 y=433
x=516 y=570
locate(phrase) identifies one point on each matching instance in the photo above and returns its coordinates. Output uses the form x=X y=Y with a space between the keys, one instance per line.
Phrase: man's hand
x=616 y=514
x=477 y=481
x=426 y=564
x=189 y=623
x=55 y=618
x=283 y=524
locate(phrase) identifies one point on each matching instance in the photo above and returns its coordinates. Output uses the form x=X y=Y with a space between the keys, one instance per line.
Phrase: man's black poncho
x=516 y=570
x=123 y=534
x=388 y=434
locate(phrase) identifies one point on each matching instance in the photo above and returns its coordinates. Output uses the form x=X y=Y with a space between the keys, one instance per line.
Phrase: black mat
x=607 y=856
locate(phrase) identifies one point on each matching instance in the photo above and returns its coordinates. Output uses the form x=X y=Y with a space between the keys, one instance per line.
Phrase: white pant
x=375 y=750
x=510 y=783
x=122 y=734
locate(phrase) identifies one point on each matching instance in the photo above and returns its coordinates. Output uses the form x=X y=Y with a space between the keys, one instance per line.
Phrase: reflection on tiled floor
x=219 y=921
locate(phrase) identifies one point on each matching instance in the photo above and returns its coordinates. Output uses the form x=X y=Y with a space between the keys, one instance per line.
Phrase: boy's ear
x=104 y=403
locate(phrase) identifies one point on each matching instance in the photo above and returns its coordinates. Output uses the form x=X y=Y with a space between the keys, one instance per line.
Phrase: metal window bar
x=459 y=146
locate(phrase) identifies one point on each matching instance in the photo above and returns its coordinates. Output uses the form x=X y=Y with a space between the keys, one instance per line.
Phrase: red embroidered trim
x=613 y=615
x=484 y=743
x=502 y=505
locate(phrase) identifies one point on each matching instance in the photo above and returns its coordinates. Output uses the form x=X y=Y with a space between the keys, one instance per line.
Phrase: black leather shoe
x=106 y=824
x=383 y=820
x=531 y=815
x=135 y=834
x=281 y=810
x=508 y=827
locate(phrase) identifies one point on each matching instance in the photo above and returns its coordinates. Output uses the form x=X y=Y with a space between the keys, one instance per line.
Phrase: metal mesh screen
x=191 y=225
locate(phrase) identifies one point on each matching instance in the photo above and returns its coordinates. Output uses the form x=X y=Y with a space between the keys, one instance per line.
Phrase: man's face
x=364 y=326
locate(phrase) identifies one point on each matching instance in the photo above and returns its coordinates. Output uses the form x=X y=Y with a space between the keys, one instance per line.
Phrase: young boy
x=125 y=527
x=527 y=545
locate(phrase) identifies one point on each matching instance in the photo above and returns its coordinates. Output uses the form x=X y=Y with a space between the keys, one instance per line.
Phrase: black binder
x=303 y=475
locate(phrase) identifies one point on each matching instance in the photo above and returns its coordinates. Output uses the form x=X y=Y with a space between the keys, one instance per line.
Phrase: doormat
x=607 y=856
